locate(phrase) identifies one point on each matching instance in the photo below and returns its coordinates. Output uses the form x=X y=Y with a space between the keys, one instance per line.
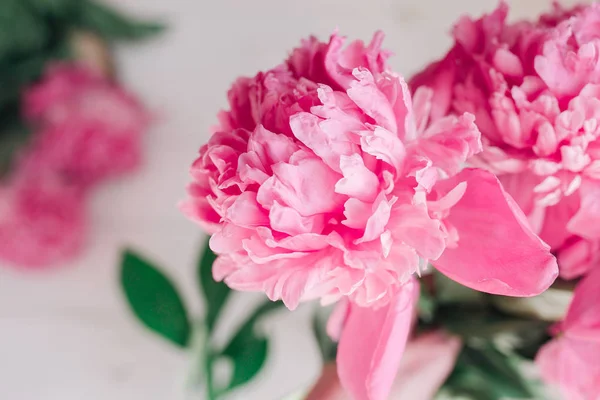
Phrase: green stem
x=211 y=393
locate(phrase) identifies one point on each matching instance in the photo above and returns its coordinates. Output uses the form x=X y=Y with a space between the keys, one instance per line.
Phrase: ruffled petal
x=586 y=222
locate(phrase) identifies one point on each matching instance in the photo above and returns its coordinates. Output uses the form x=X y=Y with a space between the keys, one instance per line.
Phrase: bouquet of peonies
x=424 y=216
x=65 y=123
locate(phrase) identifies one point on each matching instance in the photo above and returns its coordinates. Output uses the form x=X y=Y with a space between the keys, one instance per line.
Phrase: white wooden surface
x=66 y=334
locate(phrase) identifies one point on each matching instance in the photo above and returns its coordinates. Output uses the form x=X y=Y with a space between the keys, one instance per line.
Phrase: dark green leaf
x=13 y=136
x=154 y=299
x=248 y=361
x=475 y=322
x=112 y=25
x=247 y=330
x=215 y=293
x=22 y=30
x=484 y=372
x=246 y=349
x=427 y=306
x=18 y=72
x=53 y=8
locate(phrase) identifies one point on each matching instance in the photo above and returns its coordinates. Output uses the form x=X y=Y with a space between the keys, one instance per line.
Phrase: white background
x=66 y=333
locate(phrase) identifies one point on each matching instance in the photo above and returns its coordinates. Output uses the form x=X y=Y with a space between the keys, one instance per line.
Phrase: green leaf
x=215 y=293
x=54 y=8
x=247 y=329
x=248 y=362
x=154 y=299
x=22 y=30
x=112 y=25
x=13 y=135
x=17 y=73
x=426 y=306
x=448 y=291
x=483 y=372
x=246 y=349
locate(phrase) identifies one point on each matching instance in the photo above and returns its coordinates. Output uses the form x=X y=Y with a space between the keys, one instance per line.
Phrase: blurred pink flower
x=312 y=191
x=42 y=220
x=534 y=88
x=571 y=360
x=425 y=365
x=88 y=127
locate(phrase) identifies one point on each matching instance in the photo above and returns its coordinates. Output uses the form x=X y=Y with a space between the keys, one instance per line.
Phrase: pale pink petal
x=379 y=219
x=365 y=93
x=413 y=226
x=372 y=344
x=572 y=366
x=385 y=146
x=305 y=187
x=425 y=365
x=358 y=181
x=329 y=141
x=584 y=312
x=357 y=213
x=577 y=258
x=508 y=259
x=586 y=222
x=270 y=147
x=449 y=142
x=288 y=220
x=337 y=320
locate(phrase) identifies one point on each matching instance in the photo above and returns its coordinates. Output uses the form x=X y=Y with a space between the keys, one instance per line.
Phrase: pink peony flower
x=89 y=128
x=570 y=361
x=534 y=88
x=425 y=365
x=42 y=220
x=344 y=192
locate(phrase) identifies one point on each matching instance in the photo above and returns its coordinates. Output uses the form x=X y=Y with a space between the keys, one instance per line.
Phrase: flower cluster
x=534 y=88
x=86 y=129
x=327 y=180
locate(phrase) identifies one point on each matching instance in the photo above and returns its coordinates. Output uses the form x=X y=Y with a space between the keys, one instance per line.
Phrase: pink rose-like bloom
x=343 y=190
x=570 y=361
x=425 y=365
x=42 y=220
x=88 y=127
x=534 y=88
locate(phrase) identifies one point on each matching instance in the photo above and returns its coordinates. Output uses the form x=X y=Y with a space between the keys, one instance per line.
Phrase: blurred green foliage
x=36 y=32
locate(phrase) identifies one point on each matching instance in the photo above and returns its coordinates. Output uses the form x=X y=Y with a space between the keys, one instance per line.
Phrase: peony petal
x=449 y=142
x=337 y=319
x=358 y=181
x=497 y=251
x=305 y=187
x=372 y=344
x=412 y=225
x=572 y=365
x=329 y=139
x=288 y=220
x=577 y=258
x=385 y=146
x=584 y=312
x=425 y=365
x=586 y=222
x=371 y=100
